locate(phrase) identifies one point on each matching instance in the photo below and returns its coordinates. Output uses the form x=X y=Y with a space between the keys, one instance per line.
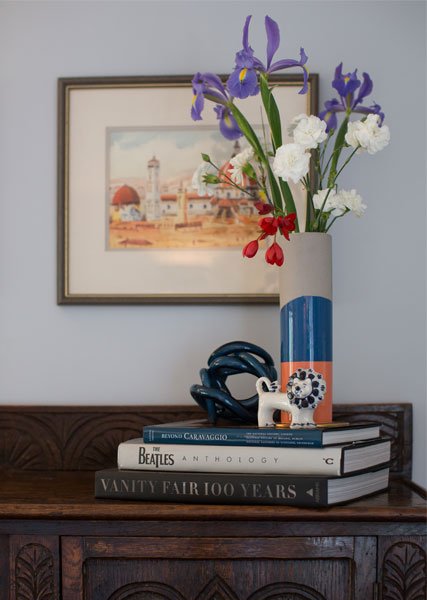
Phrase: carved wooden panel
x=395 y=421
x=215 y=589
x=34 y=573
x=403 y=571
x=34 y=567
x=75 y=438
x=240 y=579
x=86 y=438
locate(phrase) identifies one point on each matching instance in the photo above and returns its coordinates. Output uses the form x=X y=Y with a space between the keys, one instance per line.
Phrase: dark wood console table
x=58 y=542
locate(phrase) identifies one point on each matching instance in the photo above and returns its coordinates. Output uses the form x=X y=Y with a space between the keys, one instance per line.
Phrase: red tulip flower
x=274 y=255
x=269 y=225
x=250 y=249
x=286 y=224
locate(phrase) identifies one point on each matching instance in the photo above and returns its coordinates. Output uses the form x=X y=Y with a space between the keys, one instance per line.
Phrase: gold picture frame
x=101 y=261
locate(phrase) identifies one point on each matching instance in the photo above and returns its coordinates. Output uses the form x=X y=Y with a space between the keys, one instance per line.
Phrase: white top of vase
x=307 y=270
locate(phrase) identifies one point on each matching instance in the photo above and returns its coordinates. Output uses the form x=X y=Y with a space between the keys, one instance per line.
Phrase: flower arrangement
x=316 y=141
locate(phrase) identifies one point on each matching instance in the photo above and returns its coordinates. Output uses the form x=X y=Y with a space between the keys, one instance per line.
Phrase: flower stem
x=345 y=164
x=233 y=183
x=339 y=144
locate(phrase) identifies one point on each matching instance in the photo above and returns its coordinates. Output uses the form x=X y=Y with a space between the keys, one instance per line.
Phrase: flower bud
x=274 y=255
x=250 y=249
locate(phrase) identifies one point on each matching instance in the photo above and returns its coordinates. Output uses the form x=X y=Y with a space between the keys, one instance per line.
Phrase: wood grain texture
x=223 y=547
x=4 y=567
x=70 y=495
x=221 y=579
x=86 y=438
x=72 y=574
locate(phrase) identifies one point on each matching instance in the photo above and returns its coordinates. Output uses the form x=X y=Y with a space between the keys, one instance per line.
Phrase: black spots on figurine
x=306 y=388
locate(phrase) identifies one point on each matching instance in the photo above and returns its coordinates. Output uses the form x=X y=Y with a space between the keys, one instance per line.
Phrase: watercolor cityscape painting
x=150 y=200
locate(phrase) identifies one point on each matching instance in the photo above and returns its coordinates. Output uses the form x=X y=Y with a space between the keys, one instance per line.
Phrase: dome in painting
x=125 y=195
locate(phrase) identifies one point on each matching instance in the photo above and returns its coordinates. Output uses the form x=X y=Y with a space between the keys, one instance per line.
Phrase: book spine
x=229 y=437
x=229 y=459
x=211 y=488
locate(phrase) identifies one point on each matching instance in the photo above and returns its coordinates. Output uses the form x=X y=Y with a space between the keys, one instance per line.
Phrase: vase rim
x=310 y=233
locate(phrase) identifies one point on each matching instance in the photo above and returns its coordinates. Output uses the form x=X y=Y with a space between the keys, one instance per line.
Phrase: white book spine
x=134 y=454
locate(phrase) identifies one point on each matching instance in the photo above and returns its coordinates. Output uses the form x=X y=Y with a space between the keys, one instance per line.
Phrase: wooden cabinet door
x=293 y=568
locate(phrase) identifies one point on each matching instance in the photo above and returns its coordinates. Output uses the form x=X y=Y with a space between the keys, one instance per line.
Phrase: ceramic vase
x=305 y=288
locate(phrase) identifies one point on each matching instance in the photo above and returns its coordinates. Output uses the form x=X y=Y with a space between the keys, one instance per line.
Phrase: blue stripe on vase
x=306 y=329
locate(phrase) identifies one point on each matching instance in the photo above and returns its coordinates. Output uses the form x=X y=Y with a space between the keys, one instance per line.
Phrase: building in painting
x=152 y=198
x=182 y=204
x=198 y=205
x=231 y=202
x=125 y=205
x=169 y=205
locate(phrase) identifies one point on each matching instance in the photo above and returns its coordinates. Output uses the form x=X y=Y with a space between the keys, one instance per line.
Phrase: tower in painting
x=152 y=198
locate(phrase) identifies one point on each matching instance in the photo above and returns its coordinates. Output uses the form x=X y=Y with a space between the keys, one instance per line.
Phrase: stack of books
x=193 y=461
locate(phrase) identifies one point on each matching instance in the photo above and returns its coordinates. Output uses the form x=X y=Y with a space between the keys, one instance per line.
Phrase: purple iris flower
x=198 y=98
x=209 y=86
x=346 y=85
x=290 y=62
x=227 y=123
x=243 y=82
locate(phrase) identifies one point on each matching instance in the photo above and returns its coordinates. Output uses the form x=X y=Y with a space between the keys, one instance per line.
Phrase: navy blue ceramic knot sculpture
x=233 y=358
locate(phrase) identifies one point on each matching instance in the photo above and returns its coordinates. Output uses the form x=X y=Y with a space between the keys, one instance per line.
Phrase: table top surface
x=70 y=495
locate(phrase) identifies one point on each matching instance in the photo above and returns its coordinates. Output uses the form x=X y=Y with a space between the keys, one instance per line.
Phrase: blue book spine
x=219 y=436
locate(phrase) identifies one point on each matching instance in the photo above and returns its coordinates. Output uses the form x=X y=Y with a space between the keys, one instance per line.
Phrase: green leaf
x=289 y=200
x=250 y=171
x=339 y=145
x=206 y=158
x=211 y=178
x=272 y=112
x=275 y=187
x=248 y=132
x=275 y=190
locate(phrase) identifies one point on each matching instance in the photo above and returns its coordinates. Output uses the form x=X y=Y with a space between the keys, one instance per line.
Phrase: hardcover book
x=202 y=432
x=236 y=488
x=332 y=460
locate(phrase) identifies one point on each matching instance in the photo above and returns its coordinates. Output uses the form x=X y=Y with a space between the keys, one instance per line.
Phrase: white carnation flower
x=352 y=201
x=310 y=132
x=197 y=183
x=333 y=202
x=294 y=123
x=367 y=134
x=237 y=164
x=319 y=199
x=291 y=162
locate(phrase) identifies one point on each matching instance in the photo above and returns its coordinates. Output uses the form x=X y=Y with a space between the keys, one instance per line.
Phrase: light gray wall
x=151 y=354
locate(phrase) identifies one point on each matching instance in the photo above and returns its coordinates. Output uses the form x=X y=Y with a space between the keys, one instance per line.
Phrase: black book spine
x=211 y=488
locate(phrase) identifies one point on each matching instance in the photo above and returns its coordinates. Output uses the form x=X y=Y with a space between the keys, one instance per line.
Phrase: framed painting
x=131 y=228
